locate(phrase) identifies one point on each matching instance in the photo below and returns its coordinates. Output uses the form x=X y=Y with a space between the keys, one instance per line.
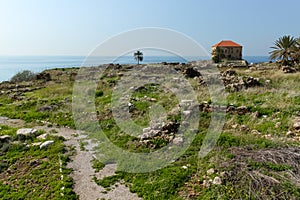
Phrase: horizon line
x=49 y=55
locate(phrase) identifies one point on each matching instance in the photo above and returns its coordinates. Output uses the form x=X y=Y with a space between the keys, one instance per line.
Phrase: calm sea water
x=10 y=65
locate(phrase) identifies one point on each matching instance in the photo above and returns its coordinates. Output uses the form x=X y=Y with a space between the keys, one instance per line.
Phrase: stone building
x=227 y=49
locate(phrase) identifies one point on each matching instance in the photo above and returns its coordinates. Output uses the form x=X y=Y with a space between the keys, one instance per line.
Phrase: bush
x=99 y=93
x=25 y=75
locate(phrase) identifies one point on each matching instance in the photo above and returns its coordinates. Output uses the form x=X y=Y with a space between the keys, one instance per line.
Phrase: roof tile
x=226 y=43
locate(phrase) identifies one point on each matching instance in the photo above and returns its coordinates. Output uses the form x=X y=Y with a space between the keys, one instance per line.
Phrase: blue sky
x=65 y=27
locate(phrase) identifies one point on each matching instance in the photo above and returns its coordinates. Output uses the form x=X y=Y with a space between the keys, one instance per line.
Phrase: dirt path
x=83 y=172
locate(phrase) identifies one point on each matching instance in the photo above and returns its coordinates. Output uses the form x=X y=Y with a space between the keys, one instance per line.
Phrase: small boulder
x=206 y=183
x=186 y=112
x=178 y=141
x=45 y=109
x=27 y=131
x=149 y=134
x=255 y=132
x=278 y=124
x=146 y=130
x=43 y=76
x=255 y=115
x=43 y=136
x=243 y=127
x=210 y=171
x=36 y=144
x=191 y=72
x=290 y=134
x=229 y=72
x=223 y=174
x=217 y=181
x=5 y=137
x=242 y=110
x=230 y=109
x=234 y=126
x=296 y=125
x=46 y=144
x=34 y=162
x=288 y=69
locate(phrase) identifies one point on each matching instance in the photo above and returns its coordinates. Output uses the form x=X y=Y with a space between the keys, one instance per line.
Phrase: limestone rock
x=255 y=132
x=217 y=181
x=230 y=72
x=206 y=183
x=234 y=126
x=244 y=127
x=242 y=110
x=186 y=112
x=5 y=137
x=46 y=144
x=288 y=69
x=27 y=131
x=290 y=134
x=230 y=109
x=149 y=134
x=178 y=140
x=296 y=125
x=210 y=171
x=255 y=115
x=43 y=136
x=278 y=124
x=43 y=76
x=45 y=108
x=36 y=144
x=223 y=174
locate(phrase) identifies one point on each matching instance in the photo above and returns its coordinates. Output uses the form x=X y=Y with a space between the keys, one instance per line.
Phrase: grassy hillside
x=256 y=156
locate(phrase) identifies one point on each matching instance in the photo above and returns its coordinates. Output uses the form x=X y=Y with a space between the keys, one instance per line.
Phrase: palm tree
x=283 y=49
x=296 y=52
x=138 y=55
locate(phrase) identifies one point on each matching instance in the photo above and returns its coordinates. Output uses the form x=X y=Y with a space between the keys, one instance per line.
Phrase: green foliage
x=286 y=49
x=99 y=93
x=269 y=165
x=25 y=75
x=216 y=55
x=106 y=182
x=97 y=165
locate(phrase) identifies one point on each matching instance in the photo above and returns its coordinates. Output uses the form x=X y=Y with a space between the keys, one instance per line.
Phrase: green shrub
x=25 y=75
x=97 y=165
x=99 y=93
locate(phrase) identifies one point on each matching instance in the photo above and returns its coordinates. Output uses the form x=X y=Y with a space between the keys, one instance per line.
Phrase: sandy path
x=83 y=172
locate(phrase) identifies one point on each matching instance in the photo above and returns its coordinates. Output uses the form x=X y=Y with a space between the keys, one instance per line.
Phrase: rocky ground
x=81 y=162
x=256 y=156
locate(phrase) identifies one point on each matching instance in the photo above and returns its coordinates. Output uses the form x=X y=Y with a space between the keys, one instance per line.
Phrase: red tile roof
x=226 y=43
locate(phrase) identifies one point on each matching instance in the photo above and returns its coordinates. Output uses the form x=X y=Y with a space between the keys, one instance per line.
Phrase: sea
x=11 y=65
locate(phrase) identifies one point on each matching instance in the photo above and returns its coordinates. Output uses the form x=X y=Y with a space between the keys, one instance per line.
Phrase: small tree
x=25 y=75
x=217 y=55
x=138 y=55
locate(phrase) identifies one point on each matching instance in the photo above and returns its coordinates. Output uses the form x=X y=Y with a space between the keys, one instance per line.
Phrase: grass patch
x=97 y=165
x=28 y=172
